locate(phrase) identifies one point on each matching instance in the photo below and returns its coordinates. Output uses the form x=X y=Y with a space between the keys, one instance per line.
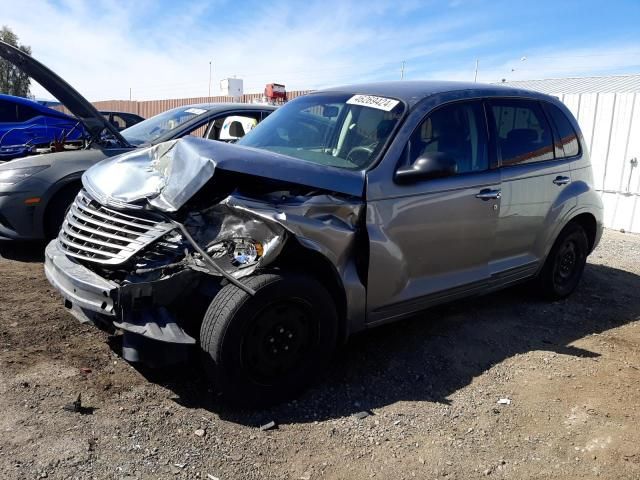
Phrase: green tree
x=12 y=80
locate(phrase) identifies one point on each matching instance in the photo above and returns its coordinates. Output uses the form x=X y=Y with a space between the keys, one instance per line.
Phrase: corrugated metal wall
x=610 y=123
x=149 y=108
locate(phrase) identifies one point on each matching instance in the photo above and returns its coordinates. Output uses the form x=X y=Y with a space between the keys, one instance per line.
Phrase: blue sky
x=162 y=49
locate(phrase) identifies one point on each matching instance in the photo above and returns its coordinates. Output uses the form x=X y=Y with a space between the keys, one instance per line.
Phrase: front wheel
x=265 y=348
x=566 y=261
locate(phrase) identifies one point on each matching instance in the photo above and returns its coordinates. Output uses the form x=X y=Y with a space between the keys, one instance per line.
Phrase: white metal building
x=608 y=111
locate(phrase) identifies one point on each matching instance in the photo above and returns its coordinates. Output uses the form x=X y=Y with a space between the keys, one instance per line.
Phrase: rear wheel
x=566 y=261
x=265 y=348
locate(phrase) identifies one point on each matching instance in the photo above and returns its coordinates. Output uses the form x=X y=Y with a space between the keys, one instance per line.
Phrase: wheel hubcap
x=566 y=262
x=277 y=342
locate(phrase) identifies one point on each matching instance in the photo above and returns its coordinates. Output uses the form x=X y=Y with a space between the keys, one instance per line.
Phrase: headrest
x=235 y=129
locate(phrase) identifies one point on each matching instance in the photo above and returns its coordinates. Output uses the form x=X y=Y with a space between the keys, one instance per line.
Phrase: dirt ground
x=431 y=387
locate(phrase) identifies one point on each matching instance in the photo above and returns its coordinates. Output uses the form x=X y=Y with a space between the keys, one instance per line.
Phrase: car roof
x=30 y=103
x=413 y=91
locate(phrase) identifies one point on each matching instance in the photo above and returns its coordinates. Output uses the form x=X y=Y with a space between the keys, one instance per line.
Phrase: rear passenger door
x=534 y=175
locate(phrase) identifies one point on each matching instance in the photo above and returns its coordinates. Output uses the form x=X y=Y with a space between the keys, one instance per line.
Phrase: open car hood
x=92 y=120
x=168 y=174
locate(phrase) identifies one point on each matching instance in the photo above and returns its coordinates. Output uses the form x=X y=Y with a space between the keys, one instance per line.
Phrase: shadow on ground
x=433 y=355
x=24 y=251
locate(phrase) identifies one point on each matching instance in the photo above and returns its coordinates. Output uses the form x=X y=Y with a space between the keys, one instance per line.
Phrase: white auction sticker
x=195 y=111
x=381 y=103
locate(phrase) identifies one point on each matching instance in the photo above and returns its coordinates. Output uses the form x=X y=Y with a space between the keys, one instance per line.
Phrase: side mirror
x=428 y=165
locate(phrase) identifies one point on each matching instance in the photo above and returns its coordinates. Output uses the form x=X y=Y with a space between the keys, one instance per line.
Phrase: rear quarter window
x=568 y=145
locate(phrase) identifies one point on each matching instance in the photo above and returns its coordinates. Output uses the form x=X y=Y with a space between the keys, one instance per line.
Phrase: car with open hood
x=36 y=191
x=27 y=128
x=345 y=209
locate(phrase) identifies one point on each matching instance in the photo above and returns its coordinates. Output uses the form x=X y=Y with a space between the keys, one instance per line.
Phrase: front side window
x=568 y=141
x=523 y=134
x=334 y=129
x=459 y=131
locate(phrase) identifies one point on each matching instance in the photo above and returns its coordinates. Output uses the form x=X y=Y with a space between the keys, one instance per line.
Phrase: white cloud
x=104 y=48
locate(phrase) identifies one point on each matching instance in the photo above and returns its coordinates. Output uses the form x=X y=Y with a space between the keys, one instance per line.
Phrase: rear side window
x=26 y=113
x=568 y=141
x=523 y=134
x=458 y=130
x=8 y=112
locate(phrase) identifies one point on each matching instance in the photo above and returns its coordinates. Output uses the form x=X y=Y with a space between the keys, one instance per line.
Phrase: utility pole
x=475 y=77
x=209 y=77
x=129 y=93
x=402 y=71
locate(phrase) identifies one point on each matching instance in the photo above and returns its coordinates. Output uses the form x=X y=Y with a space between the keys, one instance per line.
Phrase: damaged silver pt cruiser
x=345 y=209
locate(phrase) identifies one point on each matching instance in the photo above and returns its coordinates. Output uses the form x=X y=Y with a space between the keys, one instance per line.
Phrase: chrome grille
x=98 y=234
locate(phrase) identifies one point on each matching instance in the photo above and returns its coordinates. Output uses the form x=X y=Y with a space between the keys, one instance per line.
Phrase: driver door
x=432 y=240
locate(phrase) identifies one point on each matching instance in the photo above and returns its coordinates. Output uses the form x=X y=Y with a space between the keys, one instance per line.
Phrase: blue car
x=27 y=126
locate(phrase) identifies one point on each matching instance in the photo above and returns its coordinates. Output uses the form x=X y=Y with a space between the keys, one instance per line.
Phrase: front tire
x=565 y=263
x=263 y=349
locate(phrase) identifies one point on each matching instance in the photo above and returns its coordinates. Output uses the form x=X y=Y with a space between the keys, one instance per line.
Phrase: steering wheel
x=360 y=155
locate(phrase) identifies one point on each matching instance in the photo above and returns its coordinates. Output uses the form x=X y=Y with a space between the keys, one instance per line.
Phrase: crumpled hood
x=168 y=174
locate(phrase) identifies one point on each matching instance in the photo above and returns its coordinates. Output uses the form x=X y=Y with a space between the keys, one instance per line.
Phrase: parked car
x=345 y=209
x=26 y=127
x=36 y=191
x=122 y=120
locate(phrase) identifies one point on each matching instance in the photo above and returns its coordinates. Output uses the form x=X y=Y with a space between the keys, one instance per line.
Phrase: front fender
x=326 y=225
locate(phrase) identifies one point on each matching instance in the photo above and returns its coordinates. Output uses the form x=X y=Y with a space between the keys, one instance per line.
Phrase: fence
x=149 y=108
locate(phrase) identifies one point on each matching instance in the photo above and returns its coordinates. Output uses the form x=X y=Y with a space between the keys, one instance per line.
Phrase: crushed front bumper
x=78 y=285
x=138 y=308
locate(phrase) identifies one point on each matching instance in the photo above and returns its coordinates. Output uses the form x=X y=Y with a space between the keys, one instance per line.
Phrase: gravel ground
x=416 y=399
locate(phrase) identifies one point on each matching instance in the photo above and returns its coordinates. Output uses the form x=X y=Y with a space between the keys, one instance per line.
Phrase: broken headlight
x=240 y=251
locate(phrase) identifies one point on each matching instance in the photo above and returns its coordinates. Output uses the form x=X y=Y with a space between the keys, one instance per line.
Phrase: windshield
x=335 y=129
x=148 y=130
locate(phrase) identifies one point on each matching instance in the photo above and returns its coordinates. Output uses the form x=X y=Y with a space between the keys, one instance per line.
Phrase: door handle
x=488 y=194
x=561 y=180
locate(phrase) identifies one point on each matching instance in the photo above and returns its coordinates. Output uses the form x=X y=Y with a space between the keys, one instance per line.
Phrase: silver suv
x=343 y=210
